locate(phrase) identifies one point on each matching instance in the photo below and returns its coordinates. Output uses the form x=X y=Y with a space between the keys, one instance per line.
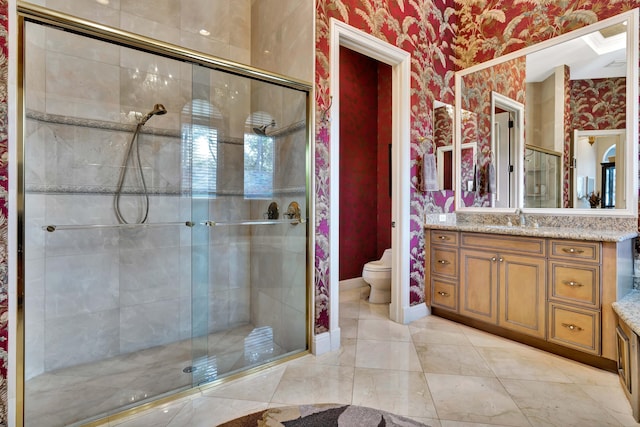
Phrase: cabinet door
x=522 y=294
x=478 y=280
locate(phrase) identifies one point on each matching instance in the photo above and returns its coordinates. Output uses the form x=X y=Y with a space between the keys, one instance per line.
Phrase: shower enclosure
x=164 y=205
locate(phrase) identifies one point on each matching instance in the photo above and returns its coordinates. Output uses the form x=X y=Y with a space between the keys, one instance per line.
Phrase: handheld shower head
x=158 y=110
x=262 y=130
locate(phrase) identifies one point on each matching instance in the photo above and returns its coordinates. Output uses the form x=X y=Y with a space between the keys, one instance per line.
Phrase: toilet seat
x=376 y=266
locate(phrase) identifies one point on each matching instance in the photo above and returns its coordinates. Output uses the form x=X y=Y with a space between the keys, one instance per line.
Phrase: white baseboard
x=415 y=312
x=355 y=283
x=326 y=342
x=321 y=343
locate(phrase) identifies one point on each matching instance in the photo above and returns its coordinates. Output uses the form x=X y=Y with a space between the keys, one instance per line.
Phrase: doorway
x=598 y=166
x=400 y=61
x=365 y=140
x=507 y=125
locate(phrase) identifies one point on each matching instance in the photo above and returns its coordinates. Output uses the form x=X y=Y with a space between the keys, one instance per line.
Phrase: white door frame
x=517 y=180
x=400 y=61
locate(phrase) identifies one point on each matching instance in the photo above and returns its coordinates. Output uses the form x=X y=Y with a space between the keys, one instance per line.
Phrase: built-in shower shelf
x=51 y=228
x=292 y=221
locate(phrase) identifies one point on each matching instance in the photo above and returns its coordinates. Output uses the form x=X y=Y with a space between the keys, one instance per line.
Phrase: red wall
x=365 y=206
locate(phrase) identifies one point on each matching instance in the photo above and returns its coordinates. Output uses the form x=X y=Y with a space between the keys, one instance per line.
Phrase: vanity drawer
x=444 y=261
x=442 y=237
x=575 y=327
x=497 y=242
x=574 y=283
x=575 y=250
x=444 y=294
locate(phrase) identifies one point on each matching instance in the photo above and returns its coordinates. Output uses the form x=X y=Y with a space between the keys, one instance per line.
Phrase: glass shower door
x=246 y=146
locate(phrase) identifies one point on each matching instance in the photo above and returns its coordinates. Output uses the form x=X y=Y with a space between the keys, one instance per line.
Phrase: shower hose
x=123 y=173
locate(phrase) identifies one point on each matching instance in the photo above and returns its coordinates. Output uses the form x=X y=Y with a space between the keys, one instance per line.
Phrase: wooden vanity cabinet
x=555 y=294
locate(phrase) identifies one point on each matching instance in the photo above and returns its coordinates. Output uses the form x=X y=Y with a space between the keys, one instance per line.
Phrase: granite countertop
x=553 y=232
x=628 y=308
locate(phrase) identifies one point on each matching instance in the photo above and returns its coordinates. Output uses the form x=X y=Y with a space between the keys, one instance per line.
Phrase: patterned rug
x=326 y=415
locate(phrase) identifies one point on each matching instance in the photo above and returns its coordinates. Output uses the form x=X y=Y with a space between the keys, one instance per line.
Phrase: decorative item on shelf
x=293 y=212
x=594 y=199
x=272 y=211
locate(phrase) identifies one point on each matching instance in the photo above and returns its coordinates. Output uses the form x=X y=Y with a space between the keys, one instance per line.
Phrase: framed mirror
x=536 y=111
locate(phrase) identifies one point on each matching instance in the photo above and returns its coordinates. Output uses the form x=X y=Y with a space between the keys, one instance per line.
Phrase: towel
x=429 y=173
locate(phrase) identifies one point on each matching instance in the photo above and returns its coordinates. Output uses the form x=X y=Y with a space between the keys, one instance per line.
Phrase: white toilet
x=378 y=275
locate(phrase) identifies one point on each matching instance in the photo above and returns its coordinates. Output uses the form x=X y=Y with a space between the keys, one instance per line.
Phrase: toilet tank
x=386 y=257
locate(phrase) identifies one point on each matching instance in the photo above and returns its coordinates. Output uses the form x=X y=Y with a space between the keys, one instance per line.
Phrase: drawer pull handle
x=572 y=327
x=443 y=261
x=572 y=283
x=444 y=294
x=493 y=259
x=573 y=250
x=501 y=259
x=443 y=237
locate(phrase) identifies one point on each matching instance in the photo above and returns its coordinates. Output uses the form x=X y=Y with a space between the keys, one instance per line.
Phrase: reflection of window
x=258 y=166
x=200 y=149
x=259 y=157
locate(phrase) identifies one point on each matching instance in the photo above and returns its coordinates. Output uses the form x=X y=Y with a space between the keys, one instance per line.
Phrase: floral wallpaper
x=491 y=28
x=566 y=158
x=4 y=209
x=598 y=104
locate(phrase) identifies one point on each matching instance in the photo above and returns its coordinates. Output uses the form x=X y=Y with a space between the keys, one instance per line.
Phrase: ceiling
x=599 y=54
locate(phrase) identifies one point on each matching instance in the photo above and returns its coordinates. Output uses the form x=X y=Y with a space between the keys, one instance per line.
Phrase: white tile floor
x=433 y=370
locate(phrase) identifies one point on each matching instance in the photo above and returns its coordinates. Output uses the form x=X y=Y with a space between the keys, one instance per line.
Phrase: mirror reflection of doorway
x=507 y=121
x=598 y=168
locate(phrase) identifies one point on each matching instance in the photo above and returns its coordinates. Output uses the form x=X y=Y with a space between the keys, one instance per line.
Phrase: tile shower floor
x=432 y=370
x=65 y=396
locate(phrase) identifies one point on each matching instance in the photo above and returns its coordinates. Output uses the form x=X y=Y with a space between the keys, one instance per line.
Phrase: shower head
x=262 y=130
x=158 y=110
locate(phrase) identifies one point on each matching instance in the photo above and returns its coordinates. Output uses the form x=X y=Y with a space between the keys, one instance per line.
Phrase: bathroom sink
x=501 y=227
